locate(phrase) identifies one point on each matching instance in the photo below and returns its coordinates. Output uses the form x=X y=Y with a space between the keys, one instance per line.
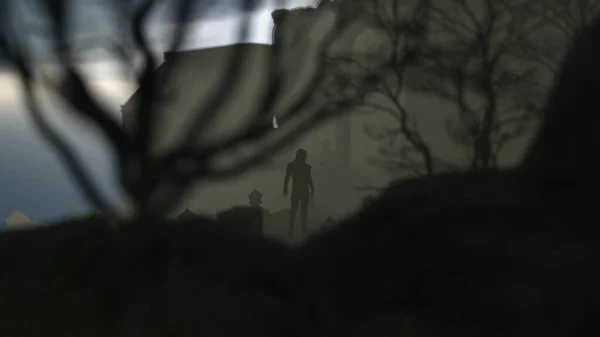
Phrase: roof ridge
x=173 y=52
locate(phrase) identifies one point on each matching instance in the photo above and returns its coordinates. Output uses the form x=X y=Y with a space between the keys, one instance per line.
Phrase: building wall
x=196 y=77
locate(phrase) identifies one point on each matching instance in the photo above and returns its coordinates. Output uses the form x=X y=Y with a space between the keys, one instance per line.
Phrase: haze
x=33 y=181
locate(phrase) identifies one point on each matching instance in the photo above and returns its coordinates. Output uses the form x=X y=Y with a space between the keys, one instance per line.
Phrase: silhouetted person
x=302 y=184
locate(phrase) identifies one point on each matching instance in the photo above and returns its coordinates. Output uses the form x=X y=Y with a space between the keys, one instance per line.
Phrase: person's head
x=301 y=155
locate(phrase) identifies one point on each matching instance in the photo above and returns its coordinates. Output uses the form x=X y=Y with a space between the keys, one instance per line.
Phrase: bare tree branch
x=479 y=73
x=157 y=183
x=382 y=83
x=59 y=144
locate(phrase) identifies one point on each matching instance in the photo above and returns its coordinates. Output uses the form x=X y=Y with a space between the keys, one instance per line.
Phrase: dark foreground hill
x=82 y=278
x=512 y=253
x=490 y=254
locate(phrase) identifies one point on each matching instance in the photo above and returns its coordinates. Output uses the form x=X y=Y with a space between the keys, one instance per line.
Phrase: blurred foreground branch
x=157 y=183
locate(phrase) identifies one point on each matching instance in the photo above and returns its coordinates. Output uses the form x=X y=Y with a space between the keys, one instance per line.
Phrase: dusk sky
x=32 y=179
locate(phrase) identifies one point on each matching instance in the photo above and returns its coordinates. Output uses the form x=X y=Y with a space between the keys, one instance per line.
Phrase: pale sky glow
x=33 y=179
x=108 y=78
x=117 y=86
x=210 y=33
x=113 y=91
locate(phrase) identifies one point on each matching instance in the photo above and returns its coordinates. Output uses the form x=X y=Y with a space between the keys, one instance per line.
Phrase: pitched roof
x=191 y=80
x=200 y=60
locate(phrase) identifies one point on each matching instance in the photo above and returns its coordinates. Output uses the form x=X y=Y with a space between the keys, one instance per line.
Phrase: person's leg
x=293 y=210
x=304 y=214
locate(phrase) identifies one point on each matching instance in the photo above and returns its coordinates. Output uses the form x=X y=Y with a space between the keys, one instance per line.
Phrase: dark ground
x=507 y=253
x=504 y=266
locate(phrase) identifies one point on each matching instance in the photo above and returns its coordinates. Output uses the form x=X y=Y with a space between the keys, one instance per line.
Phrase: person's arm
x=286 y=181
x=310 y=182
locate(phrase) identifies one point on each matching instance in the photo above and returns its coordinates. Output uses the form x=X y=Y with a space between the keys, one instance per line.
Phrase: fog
x=34 y=181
